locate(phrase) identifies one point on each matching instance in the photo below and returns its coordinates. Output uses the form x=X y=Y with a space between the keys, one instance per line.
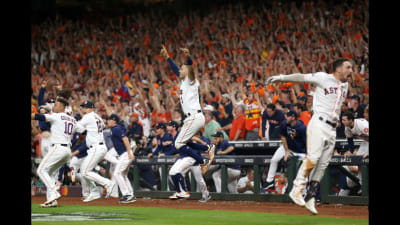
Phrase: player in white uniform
x=330 y=92
x=358 y=128
x=94 y=125
x=190 y=102
x=62 y=127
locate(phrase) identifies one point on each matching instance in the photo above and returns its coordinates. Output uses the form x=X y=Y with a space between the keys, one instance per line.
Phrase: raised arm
x=171 y=62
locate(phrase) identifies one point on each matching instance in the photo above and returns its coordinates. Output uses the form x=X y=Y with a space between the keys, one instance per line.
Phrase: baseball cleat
x=269 y=186
x=127 y=199
x=49 y=205
x=173 y=197
x=53 y=198
x=297 y=197
x=109 y=187
x=91 y=198
x=211 y=152
x=204 y=167
x=183 y=195
x=205 y=199
x=310 y=205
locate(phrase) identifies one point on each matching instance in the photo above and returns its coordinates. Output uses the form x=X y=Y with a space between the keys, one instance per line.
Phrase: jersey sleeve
x=363 y=126
x=50 y=117
x=78 y=128
x=241 y=183
x=315 y=78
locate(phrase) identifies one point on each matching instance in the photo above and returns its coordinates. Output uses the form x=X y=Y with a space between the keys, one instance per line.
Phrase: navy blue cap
x=88 y=104
x=291 y=113
x=218 y=134
x=162 y=126
x=113 y=117
x=173 y=124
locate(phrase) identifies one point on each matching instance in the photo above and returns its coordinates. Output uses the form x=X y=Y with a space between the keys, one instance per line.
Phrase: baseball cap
x=114 y=117
x=87 y=104
x=291 y=113
x=218 y=134
x=161 y=125
x=173 y=124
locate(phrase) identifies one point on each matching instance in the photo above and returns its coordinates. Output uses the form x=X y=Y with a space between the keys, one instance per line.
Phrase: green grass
x=157 y=216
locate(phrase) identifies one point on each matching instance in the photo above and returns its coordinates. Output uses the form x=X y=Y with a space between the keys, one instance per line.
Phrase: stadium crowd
x=235 y=47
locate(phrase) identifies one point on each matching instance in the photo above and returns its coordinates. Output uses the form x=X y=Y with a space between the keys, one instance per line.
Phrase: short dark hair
x=271 y=106
x=299 y=106
x=349 y=115
x=338 y=63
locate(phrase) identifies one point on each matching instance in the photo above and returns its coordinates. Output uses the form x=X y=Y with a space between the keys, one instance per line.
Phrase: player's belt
x=189 y=114
x=65 y=145
x=328 y=122
x=101 y=143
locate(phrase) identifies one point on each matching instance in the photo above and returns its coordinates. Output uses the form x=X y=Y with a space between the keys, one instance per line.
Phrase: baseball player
x=112 y=157
x=62 y=127
x=44 y=126
x=190 y=102
x=125 y=158
x=223 y=147
x=330 y=92
x=179 y=169
x=94 y=125
x=293 y=136
x=356 y=128
x=78 y=155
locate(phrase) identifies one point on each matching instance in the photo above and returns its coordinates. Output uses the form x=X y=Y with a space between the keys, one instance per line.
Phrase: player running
x=62 y=127
x=94 y=125
x=190 y=102
x=330 y=93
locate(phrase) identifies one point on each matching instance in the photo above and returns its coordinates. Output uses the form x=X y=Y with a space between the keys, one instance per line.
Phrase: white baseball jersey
x=62 y=127
x=359 y=130
x=328 y=96
x=94 y=126
x=189 y=95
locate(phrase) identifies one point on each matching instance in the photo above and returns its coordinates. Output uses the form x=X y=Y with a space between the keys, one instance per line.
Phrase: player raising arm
x=330 y=92
x=194 y=117
x=62 y=126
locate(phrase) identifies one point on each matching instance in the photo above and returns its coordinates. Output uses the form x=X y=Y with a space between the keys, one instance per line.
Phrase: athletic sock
x=181 y=181
x=176 y=183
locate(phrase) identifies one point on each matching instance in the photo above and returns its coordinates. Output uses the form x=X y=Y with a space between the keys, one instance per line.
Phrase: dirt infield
x=330 y=210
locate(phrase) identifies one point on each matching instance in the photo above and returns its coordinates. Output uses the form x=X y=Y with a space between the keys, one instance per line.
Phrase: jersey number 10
x=68 y=128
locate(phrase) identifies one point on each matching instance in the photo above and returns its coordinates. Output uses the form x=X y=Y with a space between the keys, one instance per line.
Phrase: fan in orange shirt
x=253 y=116
x=304 y=115
x=238 y=126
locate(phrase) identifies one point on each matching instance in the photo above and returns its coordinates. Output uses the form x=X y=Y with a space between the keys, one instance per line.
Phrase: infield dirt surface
x=329 y=210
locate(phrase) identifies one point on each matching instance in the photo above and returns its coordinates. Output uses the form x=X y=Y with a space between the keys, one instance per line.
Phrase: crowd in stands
x=116 y=61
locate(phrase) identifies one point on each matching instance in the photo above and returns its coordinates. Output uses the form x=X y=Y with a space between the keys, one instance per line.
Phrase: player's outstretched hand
x=164 y=52
x=272 y=79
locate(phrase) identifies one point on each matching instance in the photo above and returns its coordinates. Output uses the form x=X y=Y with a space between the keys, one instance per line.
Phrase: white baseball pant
x=112 y=157
x=76 y=165
x=45 y=143
x=121 y=174
x=50 y=164
x=278 y=156
x=233 y=176
x=95 y=154
x=321 y=138
x=191 y=125
x=200 y=182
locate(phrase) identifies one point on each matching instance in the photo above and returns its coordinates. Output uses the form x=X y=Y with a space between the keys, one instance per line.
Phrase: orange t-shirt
x=305 y=117
x=239 y=123
x=253 y=115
